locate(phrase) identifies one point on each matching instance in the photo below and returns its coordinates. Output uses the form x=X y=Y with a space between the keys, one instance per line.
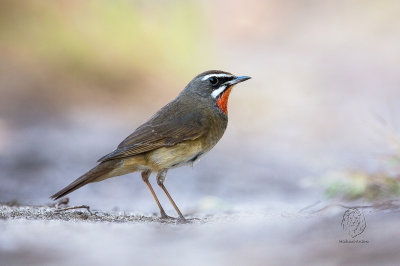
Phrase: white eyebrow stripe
x=218 y=91
x=216 y=75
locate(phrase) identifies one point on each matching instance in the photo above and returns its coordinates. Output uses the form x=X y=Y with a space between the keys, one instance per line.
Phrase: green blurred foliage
x=361 y=185
x=104 y=36
x=383 y=185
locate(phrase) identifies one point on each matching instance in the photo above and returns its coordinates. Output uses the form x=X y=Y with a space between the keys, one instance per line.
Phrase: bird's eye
x=213 y=80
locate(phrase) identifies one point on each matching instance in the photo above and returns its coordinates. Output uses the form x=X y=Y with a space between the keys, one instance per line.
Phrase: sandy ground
x=33 y=235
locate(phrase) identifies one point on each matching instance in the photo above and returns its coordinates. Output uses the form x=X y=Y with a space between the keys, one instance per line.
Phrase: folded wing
x=155 y=134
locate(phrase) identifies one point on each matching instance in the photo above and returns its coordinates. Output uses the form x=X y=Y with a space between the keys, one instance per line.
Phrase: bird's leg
x=160 y=181
x=145 y=177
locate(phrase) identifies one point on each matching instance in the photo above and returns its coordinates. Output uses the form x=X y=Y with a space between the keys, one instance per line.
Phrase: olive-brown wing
x=150 y=137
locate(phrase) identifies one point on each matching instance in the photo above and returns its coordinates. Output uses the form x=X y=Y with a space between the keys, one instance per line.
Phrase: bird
x=178 y=134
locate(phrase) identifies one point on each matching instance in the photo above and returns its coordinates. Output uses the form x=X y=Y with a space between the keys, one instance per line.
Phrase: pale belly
x=185 y=153
x=175 y=156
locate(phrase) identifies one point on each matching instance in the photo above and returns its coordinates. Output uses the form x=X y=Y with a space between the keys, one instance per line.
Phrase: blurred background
x=318 y=118
x=318 y=121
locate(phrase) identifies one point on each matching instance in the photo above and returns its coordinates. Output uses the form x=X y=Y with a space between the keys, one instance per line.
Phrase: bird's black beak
x=236 y=80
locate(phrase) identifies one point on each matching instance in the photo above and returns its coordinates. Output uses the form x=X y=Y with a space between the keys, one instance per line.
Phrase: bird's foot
x=167 y=217
x=180 y=220
x=164 y=216
x=183 y=220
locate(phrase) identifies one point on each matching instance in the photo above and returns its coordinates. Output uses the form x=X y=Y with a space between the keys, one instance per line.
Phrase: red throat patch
x=223 y=101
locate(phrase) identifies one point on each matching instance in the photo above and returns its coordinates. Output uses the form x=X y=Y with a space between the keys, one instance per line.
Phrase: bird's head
x=214 y=86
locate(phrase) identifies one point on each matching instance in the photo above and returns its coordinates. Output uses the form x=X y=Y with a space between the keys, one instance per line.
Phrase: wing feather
x=153 y=135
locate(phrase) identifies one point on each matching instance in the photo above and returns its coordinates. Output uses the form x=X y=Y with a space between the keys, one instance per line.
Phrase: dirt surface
x=47 y=213
x=44 y=213
x=38 y=235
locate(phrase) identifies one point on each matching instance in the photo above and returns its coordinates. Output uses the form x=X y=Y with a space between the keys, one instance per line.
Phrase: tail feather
x=98 y=172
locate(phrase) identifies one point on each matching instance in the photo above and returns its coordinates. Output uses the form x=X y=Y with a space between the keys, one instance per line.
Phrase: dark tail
x=98 y=173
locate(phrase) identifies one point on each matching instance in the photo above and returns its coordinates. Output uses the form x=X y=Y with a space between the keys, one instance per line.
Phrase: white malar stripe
x=218 y=91
x=216 y=75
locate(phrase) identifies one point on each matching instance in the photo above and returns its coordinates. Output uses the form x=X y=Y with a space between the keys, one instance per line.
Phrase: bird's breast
x=187 y=152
